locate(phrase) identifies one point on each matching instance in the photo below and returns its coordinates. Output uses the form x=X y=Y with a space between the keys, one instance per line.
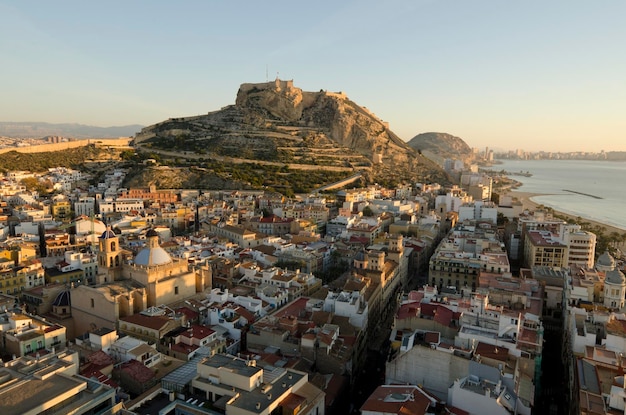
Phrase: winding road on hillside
x=192 y=155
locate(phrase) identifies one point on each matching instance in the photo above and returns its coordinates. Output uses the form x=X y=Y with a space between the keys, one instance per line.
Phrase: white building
x=121 y=205
x=348 y=304
x=85 y=206
x=581 y=246
x=129 y=348
x=491 y=393
x=479 y=210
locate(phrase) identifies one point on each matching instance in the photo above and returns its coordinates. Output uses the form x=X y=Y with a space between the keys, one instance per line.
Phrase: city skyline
x=535 y=76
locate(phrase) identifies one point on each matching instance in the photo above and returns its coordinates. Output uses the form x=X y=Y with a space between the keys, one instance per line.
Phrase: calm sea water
x=604 y=179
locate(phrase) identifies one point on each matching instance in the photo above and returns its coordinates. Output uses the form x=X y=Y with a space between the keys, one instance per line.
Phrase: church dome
x=606 y=260
x=153 y=256
x=615 y=277
x=151 y=233
x=108 y=234
x=63 y=299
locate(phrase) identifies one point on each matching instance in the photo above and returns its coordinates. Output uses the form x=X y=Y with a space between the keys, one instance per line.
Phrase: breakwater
x=582 y=194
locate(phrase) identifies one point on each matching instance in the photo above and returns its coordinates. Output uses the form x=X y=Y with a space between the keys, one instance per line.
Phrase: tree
x=32 y=184
x=367 y=211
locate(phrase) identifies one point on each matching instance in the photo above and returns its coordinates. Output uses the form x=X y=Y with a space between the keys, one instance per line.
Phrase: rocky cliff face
x=442 y=145
x=276 y=122
x=279 y=98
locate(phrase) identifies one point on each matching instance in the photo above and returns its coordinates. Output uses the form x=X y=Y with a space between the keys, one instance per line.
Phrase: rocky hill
x=441 y=146
x=278 y=124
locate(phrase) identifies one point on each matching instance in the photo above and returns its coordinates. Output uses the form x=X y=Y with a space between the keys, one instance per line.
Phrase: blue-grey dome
x=606 y=260
x=615 y=277
x=152 y=256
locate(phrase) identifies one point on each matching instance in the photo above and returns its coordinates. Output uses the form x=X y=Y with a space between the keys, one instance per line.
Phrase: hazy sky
x=535 y=75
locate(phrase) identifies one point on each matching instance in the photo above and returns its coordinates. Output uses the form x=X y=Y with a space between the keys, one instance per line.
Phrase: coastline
x=525 y=198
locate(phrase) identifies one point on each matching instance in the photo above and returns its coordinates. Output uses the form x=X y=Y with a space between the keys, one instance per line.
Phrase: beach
x=525 y=198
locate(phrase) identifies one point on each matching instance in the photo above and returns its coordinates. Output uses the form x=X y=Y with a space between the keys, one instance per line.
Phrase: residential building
x=130 y=348
x=252 y=390
x=543 y=248
x=54 y=386
x=28 y=334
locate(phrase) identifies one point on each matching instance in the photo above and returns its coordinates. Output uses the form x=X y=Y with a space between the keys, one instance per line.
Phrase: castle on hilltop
x=280 y=85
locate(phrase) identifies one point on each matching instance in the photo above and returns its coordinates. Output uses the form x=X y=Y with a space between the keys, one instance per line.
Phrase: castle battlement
x=340 y=94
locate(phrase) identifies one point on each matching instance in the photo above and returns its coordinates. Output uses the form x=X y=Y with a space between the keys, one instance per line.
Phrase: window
x=93 y=303
x=175 y=290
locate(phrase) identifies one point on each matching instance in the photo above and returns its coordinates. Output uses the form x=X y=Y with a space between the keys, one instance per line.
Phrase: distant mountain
x=442 y=146
x=43 y=129
x=279 y=124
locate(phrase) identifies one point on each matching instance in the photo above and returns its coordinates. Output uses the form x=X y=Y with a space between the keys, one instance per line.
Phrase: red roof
x=404 y=400
x=90 y=372
x=184 y=348
x=100 y=358
x=443 y=316
x=245 y=313
x=408 y=310
x=292 y=401
x=137 y=371
x=359 y=239
x=491 y=351
x=197 y=331
x=53 y=327
x=293 y=309
x=191 y=315
x=432 y=337
x=416 y=295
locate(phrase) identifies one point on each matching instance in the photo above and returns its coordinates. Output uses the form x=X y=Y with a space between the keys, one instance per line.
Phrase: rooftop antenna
x=267 y=77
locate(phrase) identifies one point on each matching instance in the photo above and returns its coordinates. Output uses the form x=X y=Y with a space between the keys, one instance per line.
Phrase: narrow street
x=373 y=374
x=551 y=397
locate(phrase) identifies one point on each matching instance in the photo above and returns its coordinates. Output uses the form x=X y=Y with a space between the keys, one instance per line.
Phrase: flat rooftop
x=28 y=395
x=249 y=401
x=233 y=364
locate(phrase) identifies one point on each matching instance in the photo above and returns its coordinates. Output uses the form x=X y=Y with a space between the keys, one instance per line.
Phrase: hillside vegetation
x=75 y=158
x=281 y=130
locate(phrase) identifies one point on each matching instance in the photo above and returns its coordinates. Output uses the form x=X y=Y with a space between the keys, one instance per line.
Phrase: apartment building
x=46 y=383
x=544 y=248
x=252 y=390
x=466 y=252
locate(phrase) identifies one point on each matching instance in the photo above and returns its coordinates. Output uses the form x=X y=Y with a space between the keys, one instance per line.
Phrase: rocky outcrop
x=280 y=99
x=442 y=145
x=278 y=122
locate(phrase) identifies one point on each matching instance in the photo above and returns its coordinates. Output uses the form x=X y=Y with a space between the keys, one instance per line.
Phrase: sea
x=590 y=189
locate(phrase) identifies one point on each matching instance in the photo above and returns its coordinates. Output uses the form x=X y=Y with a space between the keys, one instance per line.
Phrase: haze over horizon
x=534 y=75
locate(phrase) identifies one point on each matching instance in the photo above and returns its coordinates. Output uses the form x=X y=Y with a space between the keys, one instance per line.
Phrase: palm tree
x=615 y=238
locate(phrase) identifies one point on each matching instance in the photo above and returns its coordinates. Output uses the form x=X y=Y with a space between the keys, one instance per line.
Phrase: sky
x=532 y=75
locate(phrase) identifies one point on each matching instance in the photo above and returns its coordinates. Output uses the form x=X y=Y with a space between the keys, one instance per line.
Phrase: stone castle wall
x=101 y=142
